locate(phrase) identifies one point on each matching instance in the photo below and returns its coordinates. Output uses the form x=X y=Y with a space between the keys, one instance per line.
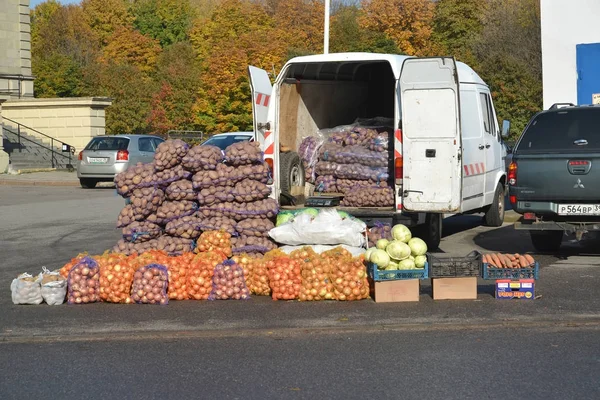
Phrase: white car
x=222 y=140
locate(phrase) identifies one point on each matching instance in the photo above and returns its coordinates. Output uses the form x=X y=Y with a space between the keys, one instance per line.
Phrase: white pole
x=326 y=33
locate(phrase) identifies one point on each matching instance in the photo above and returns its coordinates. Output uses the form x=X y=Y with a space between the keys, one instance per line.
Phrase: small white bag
x=53 y=292
x=26 y=291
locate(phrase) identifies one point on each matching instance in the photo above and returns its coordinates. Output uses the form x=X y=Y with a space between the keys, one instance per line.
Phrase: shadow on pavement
x=460 y=223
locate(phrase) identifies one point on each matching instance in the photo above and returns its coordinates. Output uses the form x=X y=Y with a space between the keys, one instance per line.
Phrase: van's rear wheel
x=495 y=214
x=291 y=172
x=546 y=241
x=431 y=231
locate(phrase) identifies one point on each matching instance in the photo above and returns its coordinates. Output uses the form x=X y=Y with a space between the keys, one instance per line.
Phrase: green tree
x=107 y=16
x=40 y=15
x=167 y=21
x=57 y=75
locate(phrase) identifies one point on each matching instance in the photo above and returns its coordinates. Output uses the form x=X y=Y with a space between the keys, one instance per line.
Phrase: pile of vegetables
x=403 y=252
x=200 y=274
x=499 y=260
x=150 y=284
x=84 y=282
x=285 y=278
x=228 y=282
x=341 y=159
x=187 y=191
x=214 y=240
x=116 y=277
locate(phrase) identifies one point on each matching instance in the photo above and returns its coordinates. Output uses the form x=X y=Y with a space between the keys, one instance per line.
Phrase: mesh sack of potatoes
x=127 y=216
x=379 y=231
x=215 y=194
x=369 y=197
x=352 y=171
x=243 y=153
x=165 y=177
x=141 y=231
x=145 y=201
x=226 y=175
x=252 y=244
x=169 y=154
x=266 y=208
x=185 y=227
x=181 y=190
x=249 y=190
x=380 y=142
x=172 y=210
x=218 y=223
x=258 y=227
x=202 y=158
x=345 y=185
x=352 y=155
x=136 y=176
x=174 y=246
x=360 y=136
x=325 y=183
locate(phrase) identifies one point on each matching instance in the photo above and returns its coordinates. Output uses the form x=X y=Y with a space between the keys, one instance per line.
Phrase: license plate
x=579 y=209
x=97 y=160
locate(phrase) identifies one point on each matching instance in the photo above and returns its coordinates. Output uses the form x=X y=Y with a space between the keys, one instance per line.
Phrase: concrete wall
x=72 y=120
x=15 y=49
x=565 y=24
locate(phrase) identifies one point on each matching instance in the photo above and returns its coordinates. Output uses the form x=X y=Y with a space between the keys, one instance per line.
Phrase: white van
x=447 y=143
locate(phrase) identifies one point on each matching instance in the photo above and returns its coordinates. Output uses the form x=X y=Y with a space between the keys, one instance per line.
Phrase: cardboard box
x=519 y=289
x=455 y=288
x=396 y=291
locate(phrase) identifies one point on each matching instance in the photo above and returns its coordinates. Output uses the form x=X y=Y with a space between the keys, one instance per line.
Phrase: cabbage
x=417 y=247
x=380 y=258
x=407 y=264
x=382 y=244
x=398 y=250
x=368 y=253
x=392 y=266
x=420 y=261
x=313 y=212
x=401 y=232
x=284 y=217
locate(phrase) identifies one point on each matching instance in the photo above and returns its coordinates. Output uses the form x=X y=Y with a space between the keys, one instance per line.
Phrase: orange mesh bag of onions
x=245 y=261
x=214 y=240
x=64 y=271
x=84 y=282
x=347 y=274
x=259 y=277
x=116 y=277
x=178 y=268
x=285 y=278
x=200 y=274
x=228 y=282
x=316 y=284
x=150 y=284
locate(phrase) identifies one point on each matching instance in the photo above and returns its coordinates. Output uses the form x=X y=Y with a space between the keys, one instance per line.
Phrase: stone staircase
x=29 y=152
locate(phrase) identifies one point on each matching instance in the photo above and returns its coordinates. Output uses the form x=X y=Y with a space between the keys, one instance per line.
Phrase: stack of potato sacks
x=187 y=191
x=352 y=160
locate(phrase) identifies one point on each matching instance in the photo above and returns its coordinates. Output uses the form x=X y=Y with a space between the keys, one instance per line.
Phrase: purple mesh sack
x=172 y=210
x=150 y=285
x=266 y=208
x=84 y=282
x=181 y=190
x=308 y=152
x=127 y=216
x=215 y=194
x=352 y=171
x=165 y=177
x=228 y=282
x=258 y=227
x=136 y=176
x=252 y=244
x=187 y=227
x=374 y=197
x=380 y=230
x=146 y=201
x=225 y=175
x=218 y=223
x=243 y=153
x=326 y=184
x=169 y=154
x=141 y=231
x=345 y=185
x=380 y=142
x=352 y=155
x=202 y=157
x=249 y=190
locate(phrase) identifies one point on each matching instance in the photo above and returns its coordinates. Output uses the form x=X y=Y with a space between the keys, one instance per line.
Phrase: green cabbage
x=417 y=247
x=420 y=261
x=313 y=212
x=401 y=232
x=368 y=253
x=407 y=264
x=398 y=250
x=382 y=244
x=392 y=266
x=380 y=258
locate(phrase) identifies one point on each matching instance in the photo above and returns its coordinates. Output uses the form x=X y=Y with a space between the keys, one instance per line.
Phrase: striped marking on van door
x=474 y=169
x=262 y=99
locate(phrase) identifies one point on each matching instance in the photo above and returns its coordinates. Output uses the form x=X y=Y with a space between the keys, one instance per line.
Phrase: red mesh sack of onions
x=200 y=274
x=315 y=276
x=348 y=275
x=285 y=278
x=150 y=285
x=229 y=283
x=214 y=240
x=84 y=282
x=116 y=276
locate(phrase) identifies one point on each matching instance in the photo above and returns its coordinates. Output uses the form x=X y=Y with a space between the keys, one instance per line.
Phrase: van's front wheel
x=494 y=216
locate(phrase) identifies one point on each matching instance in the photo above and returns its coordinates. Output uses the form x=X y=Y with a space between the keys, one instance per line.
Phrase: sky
x=33 y=3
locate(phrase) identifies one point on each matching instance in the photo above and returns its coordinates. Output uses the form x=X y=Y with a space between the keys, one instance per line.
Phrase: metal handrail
x=70 y=149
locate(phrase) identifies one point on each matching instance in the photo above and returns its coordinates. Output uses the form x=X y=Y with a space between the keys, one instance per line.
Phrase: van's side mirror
x=505 y=128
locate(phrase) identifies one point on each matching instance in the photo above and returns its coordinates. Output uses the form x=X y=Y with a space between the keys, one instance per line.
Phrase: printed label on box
x=521 y=289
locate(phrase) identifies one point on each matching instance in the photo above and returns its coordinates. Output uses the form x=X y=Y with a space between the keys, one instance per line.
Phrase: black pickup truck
x=554 y=176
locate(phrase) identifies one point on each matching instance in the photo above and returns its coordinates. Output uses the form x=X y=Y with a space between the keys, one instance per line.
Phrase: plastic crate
x=531 y=272
x=399 y=274
x=452 y=267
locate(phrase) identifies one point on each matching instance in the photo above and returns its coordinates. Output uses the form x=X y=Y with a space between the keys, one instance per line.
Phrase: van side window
x=485 y=111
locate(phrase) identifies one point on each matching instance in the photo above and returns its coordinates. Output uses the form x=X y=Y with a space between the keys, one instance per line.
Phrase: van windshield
x=565 y=130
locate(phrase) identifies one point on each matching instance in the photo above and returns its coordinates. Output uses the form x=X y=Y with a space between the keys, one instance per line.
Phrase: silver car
x=106 y=156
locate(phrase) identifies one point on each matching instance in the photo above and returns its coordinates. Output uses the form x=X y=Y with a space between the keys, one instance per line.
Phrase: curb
x=16 y=182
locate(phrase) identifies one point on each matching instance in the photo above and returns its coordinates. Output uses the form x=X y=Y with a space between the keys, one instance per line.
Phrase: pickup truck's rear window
x=564 y=130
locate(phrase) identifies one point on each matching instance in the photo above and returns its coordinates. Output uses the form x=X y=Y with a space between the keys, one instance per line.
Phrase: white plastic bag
x=26 y=290
x=326 y=228
x=53 y=291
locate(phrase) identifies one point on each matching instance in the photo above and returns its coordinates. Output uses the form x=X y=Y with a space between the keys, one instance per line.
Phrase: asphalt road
x=533 y=363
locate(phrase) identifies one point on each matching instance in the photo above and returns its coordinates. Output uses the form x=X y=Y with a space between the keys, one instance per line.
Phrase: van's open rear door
x=431 y=144
x=261 y=97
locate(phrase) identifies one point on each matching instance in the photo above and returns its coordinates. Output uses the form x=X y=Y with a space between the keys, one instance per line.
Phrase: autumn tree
x=167 y=21
x=107 y=16
x=406 y=22
x=299 y=24
x=128 y=46
x=39 y=17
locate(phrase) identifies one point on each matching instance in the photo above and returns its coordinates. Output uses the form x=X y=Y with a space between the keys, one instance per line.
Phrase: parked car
x=222 y=140
x=552 y=178
x=106 y=156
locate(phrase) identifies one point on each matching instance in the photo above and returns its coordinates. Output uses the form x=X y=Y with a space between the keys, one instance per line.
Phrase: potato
x=171 y=245
x=136 y=176
x=215 y=194
x=258 y=227
x=217 y=223
x=201 y=157
x=252 y=244
x=146 y=201
x=379 y=231
x=181 y=190
x=369 y=197
x=249 y=190
x=346 y=185
x=141 y=231
x=352 y=171
x=326 y=183
x=187 y=227
x=225 y=175
x=169 y=154
x=243 y=153
x=171 y=210
x=127 y=216
x=352 y=155
x=165 y=177
x=266 y=208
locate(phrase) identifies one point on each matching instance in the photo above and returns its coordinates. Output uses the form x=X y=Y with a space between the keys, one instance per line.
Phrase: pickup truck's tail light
x=399 y=169
x=123 y=155
x=513 y=200
x=529 y=216
x=512 y=174
x=575 y=163
x=80 y=157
